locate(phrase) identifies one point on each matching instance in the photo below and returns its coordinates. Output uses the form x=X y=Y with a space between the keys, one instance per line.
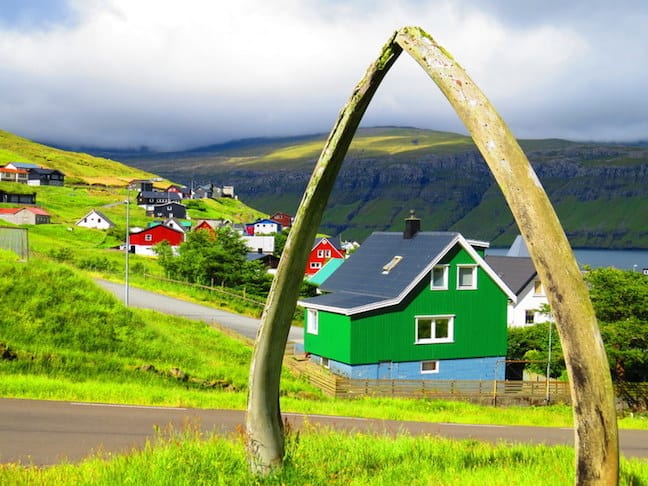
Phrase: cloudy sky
x=173 y=74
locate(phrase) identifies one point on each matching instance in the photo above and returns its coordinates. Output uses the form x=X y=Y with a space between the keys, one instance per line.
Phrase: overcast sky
x=173 y=74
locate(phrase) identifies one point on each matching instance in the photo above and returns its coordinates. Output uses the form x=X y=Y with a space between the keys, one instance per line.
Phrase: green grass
x=321 y=456
x=76 y=166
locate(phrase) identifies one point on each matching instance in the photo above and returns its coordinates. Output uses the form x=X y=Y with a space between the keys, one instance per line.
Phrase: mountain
x=599 y=190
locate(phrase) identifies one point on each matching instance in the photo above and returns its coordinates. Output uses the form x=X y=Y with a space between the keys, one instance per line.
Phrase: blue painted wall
x=488 y=368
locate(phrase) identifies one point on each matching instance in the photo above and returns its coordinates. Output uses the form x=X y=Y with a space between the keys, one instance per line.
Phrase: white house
x=260 y=244
x=95 y=219
x=519 y=273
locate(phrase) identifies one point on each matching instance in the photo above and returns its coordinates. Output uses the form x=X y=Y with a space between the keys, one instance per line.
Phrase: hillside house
x=17 y=197
x=184 y=226
x=211 y=224
x=184 y=191
x=411 y=305
x=95 y=219
x=13 y=175
x=169 y=210
x=27 y=215
x=22 y=165
x=142 y=242
x=517 y=270
x=45 y=177
x=263 y=227
x=323 y=250
x=284 y=219
x=264 y=244
x=149 y=199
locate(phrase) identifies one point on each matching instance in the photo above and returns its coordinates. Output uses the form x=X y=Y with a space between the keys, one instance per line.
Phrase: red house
x=142 y=242
x=284 y=219
x=323 y=250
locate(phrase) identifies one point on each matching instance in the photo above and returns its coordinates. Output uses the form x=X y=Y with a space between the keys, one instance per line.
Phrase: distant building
x=95 y=219
x=45 y=177
x=27 y=215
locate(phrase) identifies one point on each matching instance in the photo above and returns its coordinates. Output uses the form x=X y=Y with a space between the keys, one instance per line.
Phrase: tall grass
x=318 y=457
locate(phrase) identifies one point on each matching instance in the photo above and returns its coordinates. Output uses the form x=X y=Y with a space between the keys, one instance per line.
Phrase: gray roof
x=516 y=271
x=362 y=280
x=160 y=195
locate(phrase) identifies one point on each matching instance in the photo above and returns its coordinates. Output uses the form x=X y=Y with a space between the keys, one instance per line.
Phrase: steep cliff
x=600 y=191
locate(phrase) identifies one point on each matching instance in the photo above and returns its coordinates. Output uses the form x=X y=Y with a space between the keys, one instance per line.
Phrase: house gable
x=363 y=284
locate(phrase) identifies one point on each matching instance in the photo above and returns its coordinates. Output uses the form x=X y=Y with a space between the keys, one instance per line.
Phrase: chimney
x=412 y=226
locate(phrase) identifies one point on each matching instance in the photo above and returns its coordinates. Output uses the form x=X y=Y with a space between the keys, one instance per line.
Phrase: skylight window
x=390 y=266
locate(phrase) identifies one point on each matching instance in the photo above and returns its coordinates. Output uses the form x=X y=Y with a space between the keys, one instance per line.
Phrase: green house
x=411 y=305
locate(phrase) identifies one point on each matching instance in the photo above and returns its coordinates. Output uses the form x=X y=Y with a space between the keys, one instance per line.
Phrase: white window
x=440 y=277
x=320 y=253
x=327 y=253
x=312 y=325
x=429 y=367
x=434 y=329
x=316 y=265
x=466 y=277
x=148 y=237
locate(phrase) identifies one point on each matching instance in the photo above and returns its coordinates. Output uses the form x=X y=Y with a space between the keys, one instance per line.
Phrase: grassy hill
x=599 y=190
x=95 y=182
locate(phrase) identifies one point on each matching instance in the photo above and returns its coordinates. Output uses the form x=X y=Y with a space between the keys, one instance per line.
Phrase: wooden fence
x=478 y=391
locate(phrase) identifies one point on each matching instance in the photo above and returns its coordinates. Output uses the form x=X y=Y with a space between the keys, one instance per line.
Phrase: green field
x=64 y=338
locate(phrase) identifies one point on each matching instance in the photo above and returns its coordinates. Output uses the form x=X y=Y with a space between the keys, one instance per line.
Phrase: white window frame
x=314 y=265
x=473 y=268
x=327 y=253
x=444 y=286
x=148 y=237
x=320 y=253
x=436 y=366
x=433 y=339
x=312 y=321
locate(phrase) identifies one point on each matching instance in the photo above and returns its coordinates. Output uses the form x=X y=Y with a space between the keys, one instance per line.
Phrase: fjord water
x=623 y=259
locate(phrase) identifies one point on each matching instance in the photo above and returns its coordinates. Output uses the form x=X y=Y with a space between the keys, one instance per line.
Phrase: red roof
x=37 y=211
x=13 y=171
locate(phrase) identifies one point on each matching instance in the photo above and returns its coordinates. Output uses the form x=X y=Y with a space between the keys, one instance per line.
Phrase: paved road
x=245 y=326
x=47 y=432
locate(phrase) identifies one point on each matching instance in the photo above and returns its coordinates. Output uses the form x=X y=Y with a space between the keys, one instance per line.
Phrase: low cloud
x=174 y=75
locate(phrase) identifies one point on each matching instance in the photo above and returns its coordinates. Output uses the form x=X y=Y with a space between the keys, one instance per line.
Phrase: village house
x=26 y=215
x=17 y=197
x=13 y=175
x=142 y=242
x=45 y=177
x=95 y=219
x=149 y=199
x=263 y=227
x=323 y=250
x=517 y=270
x=169 y=210
x=411 y=305
x=284 y=219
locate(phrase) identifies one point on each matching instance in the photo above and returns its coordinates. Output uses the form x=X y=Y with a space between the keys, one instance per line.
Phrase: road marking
x=116 y=405
x=312 y=415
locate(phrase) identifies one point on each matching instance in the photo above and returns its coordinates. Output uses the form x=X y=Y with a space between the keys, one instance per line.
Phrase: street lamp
x=128 y=190
x=126 y=291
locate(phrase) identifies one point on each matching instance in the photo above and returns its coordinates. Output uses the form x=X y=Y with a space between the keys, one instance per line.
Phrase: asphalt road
x=246 y=326
x=48 y=432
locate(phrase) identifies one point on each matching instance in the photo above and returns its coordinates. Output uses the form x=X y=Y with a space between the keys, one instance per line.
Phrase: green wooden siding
x=333 y=339
x=389 y=334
